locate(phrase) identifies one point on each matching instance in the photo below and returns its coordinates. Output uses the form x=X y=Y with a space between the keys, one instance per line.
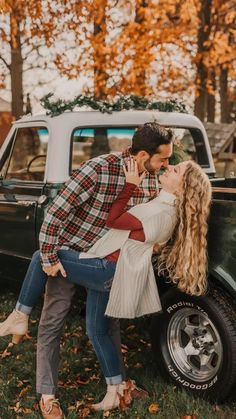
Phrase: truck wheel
x=194 y=342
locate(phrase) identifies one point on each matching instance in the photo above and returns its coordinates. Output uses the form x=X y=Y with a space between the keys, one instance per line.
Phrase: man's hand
x=131 y=172
x=53 y=270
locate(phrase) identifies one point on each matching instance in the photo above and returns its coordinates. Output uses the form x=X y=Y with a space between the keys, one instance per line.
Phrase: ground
x=80 y=379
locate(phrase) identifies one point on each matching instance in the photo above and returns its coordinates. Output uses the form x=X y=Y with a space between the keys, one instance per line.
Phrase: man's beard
x=149 y=167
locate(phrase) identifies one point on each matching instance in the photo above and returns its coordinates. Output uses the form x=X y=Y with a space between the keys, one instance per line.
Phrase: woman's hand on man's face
x=131 y=172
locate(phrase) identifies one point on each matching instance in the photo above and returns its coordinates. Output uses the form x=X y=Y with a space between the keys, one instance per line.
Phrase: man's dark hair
x=149 y=137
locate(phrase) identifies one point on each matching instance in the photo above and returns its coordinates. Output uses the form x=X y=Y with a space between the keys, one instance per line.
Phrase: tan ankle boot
x=111 y=399
x=118 y=395
x=15 y=324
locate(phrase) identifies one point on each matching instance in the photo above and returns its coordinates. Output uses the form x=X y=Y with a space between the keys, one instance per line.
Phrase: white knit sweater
x=134 y=291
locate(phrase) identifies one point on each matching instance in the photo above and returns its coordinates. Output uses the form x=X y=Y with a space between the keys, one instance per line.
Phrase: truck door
x=22 y=179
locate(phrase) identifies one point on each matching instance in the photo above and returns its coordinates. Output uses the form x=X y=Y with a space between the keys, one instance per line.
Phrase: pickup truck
x=194 y=338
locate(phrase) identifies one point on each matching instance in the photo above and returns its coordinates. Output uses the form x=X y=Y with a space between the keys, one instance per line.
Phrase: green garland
x=122 y=103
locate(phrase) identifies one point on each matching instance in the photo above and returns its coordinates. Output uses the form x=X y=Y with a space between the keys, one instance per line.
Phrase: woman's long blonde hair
x=185 y=259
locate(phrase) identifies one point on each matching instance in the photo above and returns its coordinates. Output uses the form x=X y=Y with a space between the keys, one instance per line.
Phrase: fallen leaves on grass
x=154 y=408
x=84 y=413
x=23 y=392
x=138 y=365
x=124 y=348
x=82 y=380
x=187 y=417
x=131 y=327
x=74 y=383
x=126 y=398
x=74 y=349
x=22 y=383
x=20 y=409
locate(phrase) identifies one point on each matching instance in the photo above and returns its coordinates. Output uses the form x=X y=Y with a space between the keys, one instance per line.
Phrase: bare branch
x=39 y=67
x=5 y=62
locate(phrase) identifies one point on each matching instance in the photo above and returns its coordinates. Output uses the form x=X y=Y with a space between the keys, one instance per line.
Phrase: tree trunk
x=211 y=101
x=140 y=72
x=99 y=56
x=200 y=105
x=100 y=144
x=16 y=68
x=224 y=103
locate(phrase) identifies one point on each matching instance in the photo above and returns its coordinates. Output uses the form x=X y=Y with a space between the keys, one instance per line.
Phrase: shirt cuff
x=49 y=259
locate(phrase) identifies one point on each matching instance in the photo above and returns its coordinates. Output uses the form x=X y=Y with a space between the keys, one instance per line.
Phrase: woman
x=121 y=260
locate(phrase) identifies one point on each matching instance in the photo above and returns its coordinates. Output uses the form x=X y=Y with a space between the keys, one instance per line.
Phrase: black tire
x=194 y=343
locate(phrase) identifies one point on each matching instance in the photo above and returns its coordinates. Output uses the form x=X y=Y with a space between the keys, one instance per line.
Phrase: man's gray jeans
x=57 y=304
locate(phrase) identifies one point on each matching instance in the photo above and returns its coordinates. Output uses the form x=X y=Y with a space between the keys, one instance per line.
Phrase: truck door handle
x=25 y=203
x=43 y=200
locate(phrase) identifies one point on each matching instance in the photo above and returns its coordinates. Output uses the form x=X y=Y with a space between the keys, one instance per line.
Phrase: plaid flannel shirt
x=76 y=218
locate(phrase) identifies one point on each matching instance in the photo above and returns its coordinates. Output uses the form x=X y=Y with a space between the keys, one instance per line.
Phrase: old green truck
x=194 y=339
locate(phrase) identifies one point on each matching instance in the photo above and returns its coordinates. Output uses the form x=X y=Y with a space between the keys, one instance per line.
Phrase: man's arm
x=77 y=190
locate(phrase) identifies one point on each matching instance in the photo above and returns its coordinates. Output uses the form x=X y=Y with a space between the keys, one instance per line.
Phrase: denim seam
x=104 y=359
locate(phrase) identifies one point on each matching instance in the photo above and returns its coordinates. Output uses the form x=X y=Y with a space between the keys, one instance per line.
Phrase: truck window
x=92 y=142
x=28 y=153
x=192 y=142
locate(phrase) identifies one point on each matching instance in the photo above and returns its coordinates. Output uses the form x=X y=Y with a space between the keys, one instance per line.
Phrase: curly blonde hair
x=185 y=259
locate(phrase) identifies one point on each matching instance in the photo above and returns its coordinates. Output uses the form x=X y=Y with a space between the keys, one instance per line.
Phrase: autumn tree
x=121 y=44
x=227 y=62
x=89 y=50
x=142 y=47
x=26 y=26
x=216 y=58
x=204 y=29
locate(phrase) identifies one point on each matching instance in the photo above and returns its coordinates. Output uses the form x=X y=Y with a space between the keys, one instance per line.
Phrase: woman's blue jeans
x=94 y=274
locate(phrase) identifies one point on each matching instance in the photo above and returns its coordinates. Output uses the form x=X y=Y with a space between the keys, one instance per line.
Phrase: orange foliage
x=121 y=45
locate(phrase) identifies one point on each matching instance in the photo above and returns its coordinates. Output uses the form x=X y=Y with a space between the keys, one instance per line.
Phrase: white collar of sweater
x=167 y=197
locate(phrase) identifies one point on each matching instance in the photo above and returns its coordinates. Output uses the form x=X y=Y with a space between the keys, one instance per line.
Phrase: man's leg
x=56 y=306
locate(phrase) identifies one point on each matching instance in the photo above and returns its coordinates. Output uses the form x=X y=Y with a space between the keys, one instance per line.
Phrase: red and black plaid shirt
x=76 y=217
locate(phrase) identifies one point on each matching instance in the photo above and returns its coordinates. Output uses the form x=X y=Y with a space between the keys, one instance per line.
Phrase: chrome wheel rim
x=194 y=345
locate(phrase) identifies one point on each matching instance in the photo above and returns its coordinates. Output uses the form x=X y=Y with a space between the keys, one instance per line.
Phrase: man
x=76 y=220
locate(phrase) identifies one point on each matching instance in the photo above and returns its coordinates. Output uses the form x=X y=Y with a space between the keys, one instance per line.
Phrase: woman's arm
x=118 y=216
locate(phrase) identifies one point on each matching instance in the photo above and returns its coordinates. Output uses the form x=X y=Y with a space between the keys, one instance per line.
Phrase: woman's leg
x=33 y=285
x=97 y=326
x=94 y=273
x=90 y=273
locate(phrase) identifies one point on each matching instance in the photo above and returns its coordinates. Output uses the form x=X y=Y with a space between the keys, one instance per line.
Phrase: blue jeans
x=94 y=274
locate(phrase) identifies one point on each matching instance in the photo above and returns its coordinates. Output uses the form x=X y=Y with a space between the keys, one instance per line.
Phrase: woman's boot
x=117 y=396
x=15 y=324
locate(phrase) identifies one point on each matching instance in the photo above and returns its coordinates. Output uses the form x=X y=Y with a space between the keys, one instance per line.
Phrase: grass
x=80 y=380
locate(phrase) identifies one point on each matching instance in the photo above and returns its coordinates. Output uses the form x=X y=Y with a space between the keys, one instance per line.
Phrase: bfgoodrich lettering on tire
x=194 y=342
